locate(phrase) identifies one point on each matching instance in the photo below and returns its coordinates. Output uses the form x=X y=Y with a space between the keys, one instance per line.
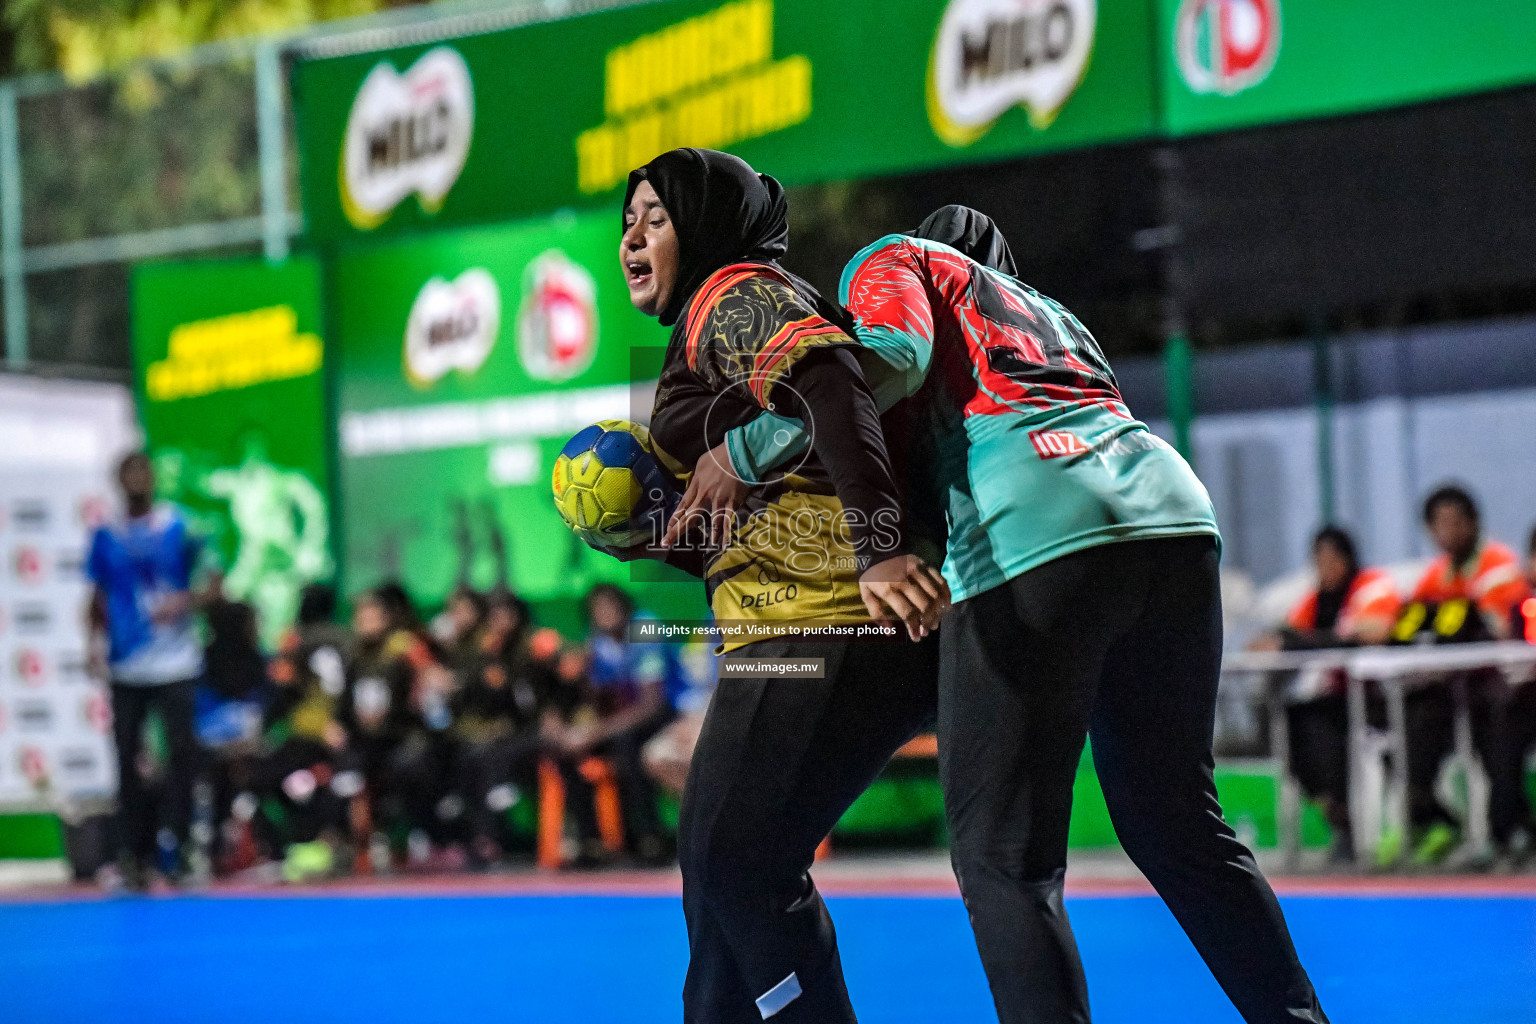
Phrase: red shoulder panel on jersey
x=714 y=286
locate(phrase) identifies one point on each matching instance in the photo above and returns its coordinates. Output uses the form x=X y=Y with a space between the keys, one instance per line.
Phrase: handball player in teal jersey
x=1082 y=555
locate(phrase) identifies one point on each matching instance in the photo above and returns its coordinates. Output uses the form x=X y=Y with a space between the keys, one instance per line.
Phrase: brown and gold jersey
x=790 y=558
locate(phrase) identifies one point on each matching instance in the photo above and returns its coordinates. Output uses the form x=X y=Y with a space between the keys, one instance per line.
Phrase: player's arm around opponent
x=778 y=759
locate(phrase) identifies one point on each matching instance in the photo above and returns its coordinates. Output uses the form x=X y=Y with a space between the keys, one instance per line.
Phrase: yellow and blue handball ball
x=610 y=488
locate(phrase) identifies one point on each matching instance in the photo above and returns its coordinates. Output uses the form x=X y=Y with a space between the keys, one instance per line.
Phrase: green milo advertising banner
x=531 y=119
x=464 y=363
x=228 y=368
x=1227 y=64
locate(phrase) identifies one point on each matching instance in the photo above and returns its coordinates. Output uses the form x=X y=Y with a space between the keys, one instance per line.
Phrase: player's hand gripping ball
x=610 y=488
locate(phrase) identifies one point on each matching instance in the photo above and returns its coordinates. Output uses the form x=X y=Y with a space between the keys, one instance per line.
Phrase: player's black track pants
x=1123 y=642
x=777 y=763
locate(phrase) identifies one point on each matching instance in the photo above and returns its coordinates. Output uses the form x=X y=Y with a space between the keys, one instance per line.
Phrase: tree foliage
x=84 y=38
x=133 y=147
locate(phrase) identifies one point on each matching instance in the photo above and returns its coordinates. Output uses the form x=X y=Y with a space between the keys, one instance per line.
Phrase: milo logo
x=1226 y=46
x=990 y=55
x=406 y=133
x=452 y=326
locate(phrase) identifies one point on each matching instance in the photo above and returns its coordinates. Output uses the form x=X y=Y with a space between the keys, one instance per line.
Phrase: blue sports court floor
x=1440 y=955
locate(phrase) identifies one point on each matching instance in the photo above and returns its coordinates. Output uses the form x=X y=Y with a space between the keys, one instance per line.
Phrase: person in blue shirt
x=632 y=688
x=669 y=754
x=141 y=567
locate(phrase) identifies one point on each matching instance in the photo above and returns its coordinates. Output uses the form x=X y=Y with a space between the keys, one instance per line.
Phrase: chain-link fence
x=136 y=160
x=159 y=160
x=168 y=158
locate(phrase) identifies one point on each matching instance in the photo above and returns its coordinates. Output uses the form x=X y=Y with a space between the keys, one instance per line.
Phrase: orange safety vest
x=1490 y=579
x=1371 y=595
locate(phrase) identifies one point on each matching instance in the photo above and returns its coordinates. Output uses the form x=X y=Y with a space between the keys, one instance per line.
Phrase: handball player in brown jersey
x=778 y=760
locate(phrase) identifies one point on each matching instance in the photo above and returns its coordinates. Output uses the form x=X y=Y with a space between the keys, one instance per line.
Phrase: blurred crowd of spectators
x=1475 y=589
x=391 y=743
x=385 y=744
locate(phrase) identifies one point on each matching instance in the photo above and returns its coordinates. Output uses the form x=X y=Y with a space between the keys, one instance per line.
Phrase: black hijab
x=971 y=232
x=724 y=212
x=1330 y=603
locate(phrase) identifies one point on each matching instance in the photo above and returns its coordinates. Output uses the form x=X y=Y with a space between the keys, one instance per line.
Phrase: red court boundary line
x=668 y=884
x=1426 y=886
x=1370 y=887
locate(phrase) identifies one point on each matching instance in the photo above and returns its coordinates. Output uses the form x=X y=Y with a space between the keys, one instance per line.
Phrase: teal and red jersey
x=991 y=344
x=1017 y=430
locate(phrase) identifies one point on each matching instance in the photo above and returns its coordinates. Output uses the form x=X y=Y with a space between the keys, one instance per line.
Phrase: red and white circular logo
x=28 y=562
x=1226 y=46
x=30 y=667
x=557 y=320
x=97 y=712
x=92 y=510
x=33 y=764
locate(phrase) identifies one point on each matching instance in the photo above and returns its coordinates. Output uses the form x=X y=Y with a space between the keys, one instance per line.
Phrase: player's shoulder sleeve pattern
x=886 y=288
x=749 y=327
x=884 y=280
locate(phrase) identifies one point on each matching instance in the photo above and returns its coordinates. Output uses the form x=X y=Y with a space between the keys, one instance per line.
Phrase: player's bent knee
x=1015 y=865
x=729 y=875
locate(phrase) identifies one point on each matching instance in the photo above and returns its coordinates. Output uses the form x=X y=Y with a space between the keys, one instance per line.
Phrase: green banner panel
x=466 y=360
x=228 y=368
x=553 y=115
x=1234 y=63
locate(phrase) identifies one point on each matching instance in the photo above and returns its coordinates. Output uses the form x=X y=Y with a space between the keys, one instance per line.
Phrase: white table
x=1397 y=670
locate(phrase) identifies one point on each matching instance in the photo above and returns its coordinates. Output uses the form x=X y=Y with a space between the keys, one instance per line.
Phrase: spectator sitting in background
x=306 y=742
x=424 y=760
x=1522 y=620
x=310 y=671
x=387 y=734
x=629 y=688
x=457 y=629
x=141 y=567
x=236 y=668
x=669 y=754
x=496 y=722
x=1514 y=739
x=1351 y=605
x=1470 y=568
x=230 y=708
x=568 y=704
x=1469 y=592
